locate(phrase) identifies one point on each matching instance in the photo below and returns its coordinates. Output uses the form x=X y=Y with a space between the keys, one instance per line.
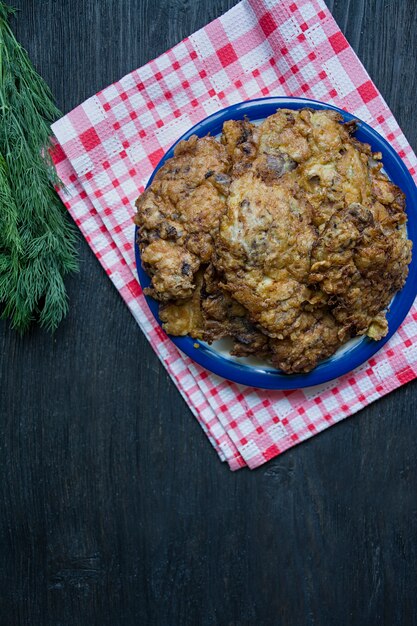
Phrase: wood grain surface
x=114 y=508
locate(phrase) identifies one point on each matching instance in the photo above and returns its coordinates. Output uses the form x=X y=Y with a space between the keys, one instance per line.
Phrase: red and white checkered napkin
x=109 y=145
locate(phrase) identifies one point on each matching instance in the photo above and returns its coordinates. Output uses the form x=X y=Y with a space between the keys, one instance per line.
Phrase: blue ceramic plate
x=259 y=374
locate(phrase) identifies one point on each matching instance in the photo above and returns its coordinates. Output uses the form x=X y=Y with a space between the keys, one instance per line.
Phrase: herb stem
x=37 y=240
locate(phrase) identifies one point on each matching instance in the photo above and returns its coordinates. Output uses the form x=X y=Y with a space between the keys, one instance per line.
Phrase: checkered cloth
x=109 y=145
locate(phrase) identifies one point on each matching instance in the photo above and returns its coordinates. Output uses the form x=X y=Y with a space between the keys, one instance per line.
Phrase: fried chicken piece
x=225 y=317
x=185 y=317
x=178 y=216
x=315 y=337
x=241 y=141
x=211 y=314
x=172 y=269
x=360 y=267
x=265 y=239
x=333 y=168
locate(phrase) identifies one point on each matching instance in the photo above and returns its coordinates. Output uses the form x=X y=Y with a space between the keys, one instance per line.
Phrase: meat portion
x=225 y=317
x=172 y=268
x=178 y=216
x=185 y=317
x=264 y=248
x=360 y=267
x=314 y=337
x=285 y=236
x=241 y=141
x=211 y=314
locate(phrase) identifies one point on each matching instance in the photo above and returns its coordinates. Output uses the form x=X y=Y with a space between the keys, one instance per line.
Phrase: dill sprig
x=37 y=240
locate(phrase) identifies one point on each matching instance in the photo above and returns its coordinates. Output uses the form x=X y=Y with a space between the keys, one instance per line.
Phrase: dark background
x=114 y=508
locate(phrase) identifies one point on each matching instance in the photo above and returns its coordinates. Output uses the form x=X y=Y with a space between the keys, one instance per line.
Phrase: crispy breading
x=267 y=233
x=185 y=317
x=225 y=317
x=264 y=249
x=314 y=337
x=286 y=236
x=360 y=267
x=172 y=269
x=211 y=314
x=304 y=171
x=178 y=216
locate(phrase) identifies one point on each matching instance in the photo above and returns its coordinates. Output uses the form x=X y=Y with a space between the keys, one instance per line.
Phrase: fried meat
x=178 y=216
x=285 y=236
x=360 y=267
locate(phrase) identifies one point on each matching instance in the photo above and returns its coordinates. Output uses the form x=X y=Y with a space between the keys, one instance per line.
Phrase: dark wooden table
x=114 y=508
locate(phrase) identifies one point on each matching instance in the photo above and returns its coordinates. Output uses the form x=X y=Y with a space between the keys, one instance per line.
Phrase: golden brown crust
x=317 y=335
x=185 y=317
x=178 y=216
x=286 y=236
x=360 y=267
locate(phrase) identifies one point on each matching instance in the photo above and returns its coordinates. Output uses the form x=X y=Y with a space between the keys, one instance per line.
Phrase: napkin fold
x=107 y=148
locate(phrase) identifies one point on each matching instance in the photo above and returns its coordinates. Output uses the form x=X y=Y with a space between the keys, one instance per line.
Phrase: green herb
x=37 y=239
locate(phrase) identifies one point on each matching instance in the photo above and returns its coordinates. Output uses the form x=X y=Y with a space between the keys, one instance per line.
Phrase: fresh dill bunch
x=37 y=239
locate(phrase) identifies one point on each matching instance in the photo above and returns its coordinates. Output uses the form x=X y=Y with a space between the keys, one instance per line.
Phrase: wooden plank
x=114 y=508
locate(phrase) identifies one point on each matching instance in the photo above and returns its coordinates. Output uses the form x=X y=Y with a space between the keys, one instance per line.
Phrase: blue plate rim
x=352 y=358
